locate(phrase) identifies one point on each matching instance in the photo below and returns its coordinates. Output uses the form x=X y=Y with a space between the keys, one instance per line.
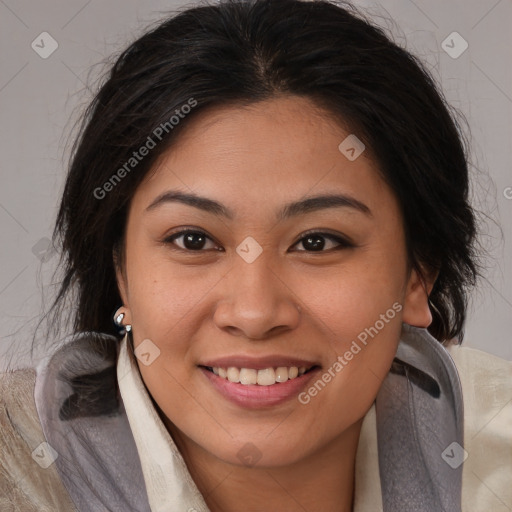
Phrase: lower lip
x=255 y=396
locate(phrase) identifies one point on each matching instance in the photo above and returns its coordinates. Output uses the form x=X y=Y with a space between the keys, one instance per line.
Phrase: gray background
x=40 y=100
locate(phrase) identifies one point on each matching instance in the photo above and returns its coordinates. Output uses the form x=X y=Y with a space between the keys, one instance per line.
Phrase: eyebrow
x=302 y=207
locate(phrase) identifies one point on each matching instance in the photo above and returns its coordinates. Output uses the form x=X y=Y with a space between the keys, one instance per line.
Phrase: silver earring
x=118 y=320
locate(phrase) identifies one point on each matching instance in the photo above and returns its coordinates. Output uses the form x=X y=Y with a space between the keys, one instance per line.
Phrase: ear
x=416 y=310
x=120 y=276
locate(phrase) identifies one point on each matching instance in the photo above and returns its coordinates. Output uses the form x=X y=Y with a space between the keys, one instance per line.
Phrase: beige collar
x=168 y=481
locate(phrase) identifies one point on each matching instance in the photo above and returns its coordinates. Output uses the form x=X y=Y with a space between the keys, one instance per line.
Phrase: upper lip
x=257 y=363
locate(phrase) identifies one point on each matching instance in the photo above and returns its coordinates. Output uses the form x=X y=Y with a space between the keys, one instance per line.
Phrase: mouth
x=259 y=388
x=259 y=377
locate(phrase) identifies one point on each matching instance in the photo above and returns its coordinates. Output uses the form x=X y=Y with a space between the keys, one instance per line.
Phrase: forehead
x=267 y=152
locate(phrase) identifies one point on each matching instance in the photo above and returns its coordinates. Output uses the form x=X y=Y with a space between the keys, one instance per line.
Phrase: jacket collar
x=168 y=482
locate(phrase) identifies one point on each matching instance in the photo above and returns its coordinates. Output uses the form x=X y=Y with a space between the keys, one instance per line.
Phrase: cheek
x=163 y=295
x=362 y=320
x=360 y=310
x=363 y=332
x=353 y=298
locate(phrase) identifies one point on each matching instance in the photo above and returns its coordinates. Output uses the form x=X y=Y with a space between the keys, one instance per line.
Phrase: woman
x=270 y=199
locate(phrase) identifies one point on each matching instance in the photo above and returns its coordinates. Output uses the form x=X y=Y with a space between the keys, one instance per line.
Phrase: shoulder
x=487 y=387
x=486 y=382
x=27 y=482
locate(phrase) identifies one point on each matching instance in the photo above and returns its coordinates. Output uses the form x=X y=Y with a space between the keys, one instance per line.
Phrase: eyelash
x=343 y=242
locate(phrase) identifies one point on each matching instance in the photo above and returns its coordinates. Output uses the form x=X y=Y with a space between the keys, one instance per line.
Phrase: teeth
x=233 y=374
x=265 y=377
x=248 y=376
x=281 y=374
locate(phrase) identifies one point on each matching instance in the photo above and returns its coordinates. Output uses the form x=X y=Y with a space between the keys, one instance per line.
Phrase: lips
x=258 y=382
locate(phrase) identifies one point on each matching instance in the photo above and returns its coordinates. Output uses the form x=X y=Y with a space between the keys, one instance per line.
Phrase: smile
x=263 y=377
x=261 y=388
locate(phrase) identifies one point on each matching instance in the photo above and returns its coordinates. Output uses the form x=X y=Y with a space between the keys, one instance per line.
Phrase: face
x=241 y=279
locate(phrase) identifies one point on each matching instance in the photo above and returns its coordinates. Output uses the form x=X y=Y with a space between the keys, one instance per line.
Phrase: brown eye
x=316 y=242
x=192 y=240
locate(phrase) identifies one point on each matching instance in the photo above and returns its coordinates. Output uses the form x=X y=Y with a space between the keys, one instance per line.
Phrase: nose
x=256 y=302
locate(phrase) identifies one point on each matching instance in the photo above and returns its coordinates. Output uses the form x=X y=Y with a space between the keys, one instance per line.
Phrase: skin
x=292 y=300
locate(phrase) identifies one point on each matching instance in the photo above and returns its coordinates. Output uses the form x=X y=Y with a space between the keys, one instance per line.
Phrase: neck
x=323 y=480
